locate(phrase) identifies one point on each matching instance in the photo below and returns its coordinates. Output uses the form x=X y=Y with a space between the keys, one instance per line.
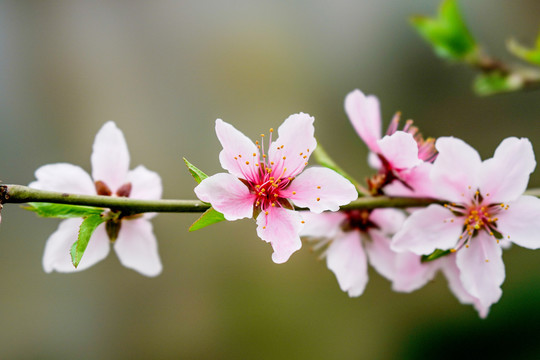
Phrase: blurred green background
x=164 y=71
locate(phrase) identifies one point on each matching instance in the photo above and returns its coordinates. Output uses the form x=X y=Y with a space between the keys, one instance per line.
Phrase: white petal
x=228 y=195
x=428 y=229
x=400 y=150
x=455 y=170
x=411 y=273
x=521 y=222
x=380 y=256
x=57 y=250
x=64 y=178
x=389 y=221
x=280 y=227
x=146 y=184
x=365 y=116
x=347 y=260
x=324 y=225
x=137 y=247
x=505 y=176
x=110 y=156
x=480 y=278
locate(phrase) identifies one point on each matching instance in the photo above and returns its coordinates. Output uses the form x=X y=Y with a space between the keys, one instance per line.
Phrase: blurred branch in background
x=451 y=40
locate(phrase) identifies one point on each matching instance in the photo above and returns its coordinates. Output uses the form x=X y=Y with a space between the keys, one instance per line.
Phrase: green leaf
x=62 y=211
x=209 y=217
x=531 y=55
x=447 y=33
x=197 y=174
x=86 y=230
x=435 y=255
x=496 y=82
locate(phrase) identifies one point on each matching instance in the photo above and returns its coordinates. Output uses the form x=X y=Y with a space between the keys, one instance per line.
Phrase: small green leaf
x=62 y=211
x=495 y=82
x=86 y=230
x=531 y=55
x=447 y=33
x=209 y=217
x=197 y=174
x=435 y=255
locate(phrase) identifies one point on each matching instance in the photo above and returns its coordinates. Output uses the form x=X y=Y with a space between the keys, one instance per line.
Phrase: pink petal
x=400 y=150
x=428 y=229
x=137 y=247
x=380 y=256
x=320 y=189
x=480 y=278
x=452 y=274
x=291 y=151
x=237 y=154
x=280 y=227
x=347 y=260
x=389 y=221
x=64 y=178
x=455 y=170
x=521 y=222
x=505 y=176
x=417 y=178
x=373 y=161
x=325 y=225
x=56 y=256
x=110 y=156
x=365 y=116
x=411 y=273
x=227 y=195
x=146 y=184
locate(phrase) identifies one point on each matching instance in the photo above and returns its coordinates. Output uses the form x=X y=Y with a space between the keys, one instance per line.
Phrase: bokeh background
x=164 y=71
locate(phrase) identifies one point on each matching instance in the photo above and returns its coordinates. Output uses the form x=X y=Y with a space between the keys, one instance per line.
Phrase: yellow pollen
x=235 y=158
x=491 y=234
x=303 y=222
x=272 y=178
x=256 y=164
x=453 y=250
x=264 y=156
x=247 y=162
x=487 y=260
x=469 y=187
x=276 y=195
x=264 y=227
x=467 y=246
x=268 y=170
x=257 y=186
x=266 y=212
x=258 y=146
x=318 y=187
x=460 y=237
x=451 y=220
x=487 y=194
x=502 y=205
x=271 y=129
x=282 y=146
x=271 y=163
x=307 y=150
x=305 y=156
x=294 y=192
x=290 y=178
x=284 y=158
x=254 y=154
x=508 y=236
x=257 y=203
x=239 y=155
x=263 y=190
x=497 y=241
x=305 y=163
x=257 y=142
x=273 y=204
x=301 y=153
x=318 y=199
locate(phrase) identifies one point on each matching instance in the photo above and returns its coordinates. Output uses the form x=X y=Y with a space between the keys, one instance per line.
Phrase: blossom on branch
x=352 y=237
x=132 y=236
x=266 y=185
x=485 y=211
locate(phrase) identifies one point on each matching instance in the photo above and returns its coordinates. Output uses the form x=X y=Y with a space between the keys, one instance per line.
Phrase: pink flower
x=133 y=237
x=353 y=237
x=262 y=185
x=485 y=207
x=402 y=157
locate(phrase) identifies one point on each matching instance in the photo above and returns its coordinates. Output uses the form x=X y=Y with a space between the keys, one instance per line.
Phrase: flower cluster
x=478 y=206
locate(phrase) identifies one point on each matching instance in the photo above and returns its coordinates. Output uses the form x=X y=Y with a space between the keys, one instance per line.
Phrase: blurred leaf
x=527 y=54
x=209 y=217
x=435 y=255
x=447 y=33
x=85 y=232
x=62 y=211
x=197 y=174
x=496 y=82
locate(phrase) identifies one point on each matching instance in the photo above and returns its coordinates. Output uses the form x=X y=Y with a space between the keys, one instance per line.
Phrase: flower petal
x=137 y=248
x=347 y=260
x=110 y=156
x=521 y=222
x=57 y=249
x=64 y=178
x=325 y=225
x=237 y=150
x=480 y=278
x=417 y=178
x=365 y=116
x=291 y=151
x=228 y=195
x=455 y=170
x=146 y=184
x=452 y=274
x=389 y=221
x=505 y=176
x=280 y=227
x=380 y=256
x=320 y=189
x=400 y=150
x=428 y=229
x=411 y=273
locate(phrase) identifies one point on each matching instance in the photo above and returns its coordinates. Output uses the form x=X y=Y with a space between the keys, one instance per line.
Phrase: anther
x=452 y=250
x=271 y=129
x=266 y=212
x=254 y=154
x=318 y=199
x=303 y=222
x=318 y=187
x=247 y=162
x=294 y=192
x=284 y=158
